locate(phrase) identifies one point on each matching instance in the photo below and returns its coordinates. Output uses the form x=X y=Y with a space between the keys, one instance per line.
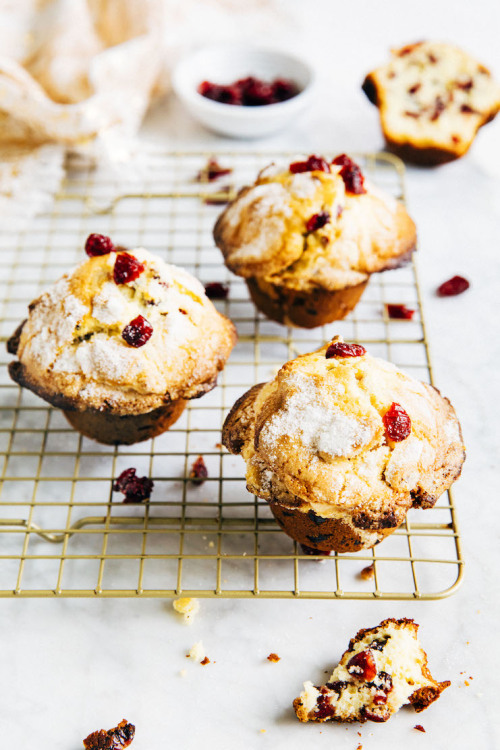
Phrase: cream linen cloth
x=75 y=76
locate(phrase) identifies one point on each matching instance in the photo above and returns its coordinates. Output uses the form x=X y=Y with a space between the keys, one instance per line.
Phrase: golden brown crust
x=240 y=420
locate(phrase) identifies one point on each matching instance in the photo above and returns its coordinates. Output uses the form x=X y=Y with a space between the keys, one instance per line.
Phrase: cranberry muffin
x=432 y=99
x=383 y=669
x=306 y=239
x=342 y=444
x=121 y=343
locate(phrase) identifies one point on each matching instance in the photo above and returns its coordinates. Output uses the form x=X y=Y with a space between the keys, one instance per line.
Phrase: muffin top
x=433 y=94
x=314 y=224
x=345 y=432
x=123 y=332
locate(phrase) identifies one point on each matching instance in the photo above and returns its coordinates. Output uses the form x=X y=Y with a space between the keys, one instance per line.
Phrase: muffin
x=342 y=444
x=432 y=98
x=307 y=238
x=121 y=343
x=383 y=669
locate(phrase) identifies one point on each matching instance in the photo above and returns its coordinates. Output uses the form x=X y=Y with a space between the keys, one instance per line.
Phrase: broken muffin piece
x=383 y=669
x=432 y=98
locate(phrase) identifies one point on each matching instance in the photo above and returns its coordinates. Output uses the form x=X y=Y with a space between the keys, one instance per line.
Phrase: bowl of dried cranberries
x=243 y=91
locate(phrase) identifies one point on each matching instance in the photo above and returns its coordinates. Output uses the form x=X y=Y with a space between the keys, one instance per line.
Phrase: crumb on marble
x=273 y=657
x=197 y=652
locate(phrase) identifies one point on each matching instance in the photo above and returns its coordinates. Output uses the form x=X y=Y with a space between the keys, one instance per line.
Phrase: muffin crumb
x=188 y=607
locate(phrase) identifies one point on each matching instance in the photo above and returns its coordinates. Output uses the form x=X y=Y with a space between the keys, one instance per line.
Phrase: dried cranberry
x=136 y=489
x=137 y=332
x=312 y=164
x=465 y=85
x=216 y=290
x=399 y=312
x=199 y=471
x=212 y=171
x=362 y=666
x=419 y=728
x=324 y=709
x=273 y=657
x=222 y=94
x=220 y=198
x=98 y=244
x=467 y=110
x=250 y=91
x=313 y=551
x=371 y=716
x=339 y=349
x=117 y=738
x=205 y=661
x=380 y=699
x=413 y=89
x=455 y=285
x=317 y=221
x=127 y=268
x=397 y=423
x=351 y=174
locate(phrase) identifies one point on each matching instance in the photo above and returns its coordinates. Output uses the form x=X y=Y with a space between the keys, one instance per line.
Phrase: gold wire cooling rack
x=64 y=532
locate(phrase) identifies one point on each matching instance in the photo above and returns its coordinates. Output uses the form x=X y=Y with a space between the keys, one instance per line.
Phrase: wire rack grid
x=64 y=532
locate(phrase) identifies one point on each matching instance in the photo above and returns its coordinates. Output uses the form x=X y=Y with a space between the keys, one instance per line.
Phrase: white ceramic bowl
x=227 y=63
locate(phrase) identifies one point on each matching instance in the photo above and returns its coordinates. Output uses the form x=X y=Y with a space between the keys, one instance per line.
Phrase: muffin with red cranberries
x=121 y=343
x=432 y=99
x=383 y=669
x=342 y=444
x=306 y=239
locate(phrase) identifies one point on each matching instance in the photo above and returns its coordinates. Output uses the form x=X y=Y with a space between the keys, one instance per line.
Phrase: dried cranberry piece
x=222 y=94
x=117 y=738
x=339 y=349
x=465 y=85
x=419 y=728
x=466 y=109
x=98 y=244
x=324 y=709
x=380 y=699
x=351 y=174
x=273 y=657
x=397 y=423
x=284 y=89
x=212 y=171
x=413 y=89
x=399 y=312
x=439 y=106
x=136 y=489
x=455 y=285
x=137 y=332
x=312 y=164
x=313 y=551
x=371 y=716
x=317 y=221
x=362 y=666
x=127 y=268
x=216 y=290
x=199 y=471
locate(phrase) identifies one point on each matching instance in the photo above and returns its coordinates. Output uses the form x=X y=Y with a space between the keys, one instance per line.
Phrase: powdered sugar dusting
x=109 y=306
x=319 y=427
x=403 y=469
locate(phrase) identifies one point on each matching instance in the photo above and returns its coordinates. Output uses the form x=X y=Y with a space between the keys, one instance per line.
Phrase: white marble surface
x=70 y=666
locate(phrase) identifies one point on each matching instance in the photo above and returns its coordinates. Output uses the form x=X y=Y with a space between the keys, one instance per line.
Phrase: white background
x=70 y=666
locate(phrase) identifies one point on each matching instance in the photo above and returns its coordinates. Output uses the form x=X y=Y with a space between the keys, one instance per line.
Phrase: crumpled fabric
x=75 y=76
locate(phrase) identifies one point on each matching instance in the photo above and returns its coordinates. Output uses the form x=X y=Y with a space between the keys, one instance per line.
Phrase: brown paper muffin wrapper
x=303 y=309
